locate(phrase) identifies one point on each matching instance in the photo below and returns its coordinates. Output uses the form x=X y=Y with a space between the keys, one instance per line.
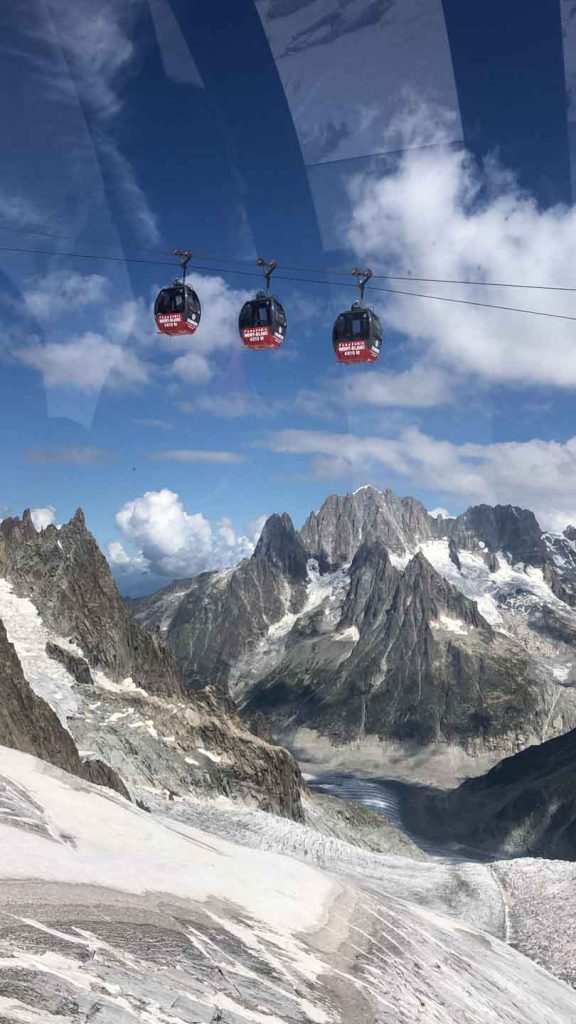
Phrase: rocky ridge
x=524 y=806
x=377 y=619
x=117 y=687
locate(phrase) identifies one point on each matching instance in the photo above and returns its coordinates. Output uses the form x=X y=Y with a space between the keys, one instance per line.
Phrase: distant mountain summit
x=377 y=619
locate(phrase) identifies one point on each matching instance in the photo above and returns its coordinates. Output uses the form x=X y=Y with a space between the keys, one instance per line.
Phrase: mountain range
x=140 y=878
x=379 y=620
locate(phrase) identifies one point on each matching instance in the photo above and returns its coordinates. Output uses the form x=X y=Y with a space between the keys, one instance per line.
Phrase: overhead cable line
x=305 y=270
x=284 y=277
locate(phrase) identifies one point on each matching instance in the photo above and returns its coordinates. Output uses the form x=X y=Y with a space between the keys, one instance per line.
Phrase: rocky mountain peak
x=373 y=579
x=280 y=546
x=507 y=528
x=67 y=577
x=343 y=523
x=421 y=583
x=78 y=519
x=388 y=638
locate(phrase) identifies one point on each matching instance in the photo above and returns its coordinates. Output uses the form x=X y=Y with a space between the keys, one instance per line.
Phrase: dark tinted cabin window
x=192 y=301
x=340 y=328
x=263 y=313
x=247 y=315
x=163 y=302
x=356 y=325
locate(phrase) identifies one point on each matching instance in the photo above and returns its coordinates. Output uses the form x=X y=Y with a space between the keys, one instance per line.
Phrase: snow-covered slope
x=114 y=916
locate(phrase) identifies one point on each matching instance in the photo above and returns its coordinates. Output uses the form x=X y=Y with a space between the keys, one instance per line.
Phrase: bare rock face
x=334 y=534
x=28 y=724
x=67 y=577
x=224 y=614
x=77 y=667
x=514 y=531
x=151 y=731
x=526 y=804
x=426 y=667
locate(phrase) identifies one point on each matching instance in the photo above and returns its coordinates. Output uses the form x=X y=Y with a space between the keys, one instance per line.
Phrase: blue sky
x=425 y=139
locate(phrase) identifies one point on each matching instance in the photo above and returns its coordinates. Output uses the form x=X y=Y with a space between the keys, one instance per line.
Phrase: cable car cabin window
x=163 y=303
x=357 y=325
x=279 y=315
x=247 y=318
x=263 y=313
x=169 y=301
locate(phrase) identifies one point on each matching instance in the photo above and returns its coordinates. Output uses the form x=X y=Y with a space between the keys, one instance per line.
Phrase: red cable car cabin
x=177 y=310
x=262 y=323
x=357 y=336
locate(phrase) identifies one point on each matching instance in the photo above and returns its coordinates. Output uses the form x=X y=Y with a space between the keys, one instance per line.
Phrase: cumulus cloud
x=171 y=542
x=420 y=386
x=440 y=513
x=62 y=290
x=192 y=368
x=438 y=216
x=85 y=363
x=536 y=474
x=198 y=455
x=218 y=331
x=43 y=517
x=221 y=305
x=118 y=349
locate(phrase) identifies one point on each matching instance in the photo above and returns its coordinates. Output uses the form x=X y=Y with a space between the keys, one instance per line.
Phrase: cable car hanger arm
x=362 y=278
x=268 y=267
x=184 y=256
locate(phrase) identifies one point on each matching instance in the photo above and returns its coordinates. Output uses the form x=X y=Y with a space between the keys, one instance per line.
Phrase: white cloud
x=85 y=364
x=436 y=216
x=98 y=49
x=61 y=291
x=255 y=527
x=419 y=387
x=171 y=542
x=198 y=455
x=83 y=455
x=231 y=406
x=43 y=517
x=20 y=212
x=536 y=474
x=218 y=328
x=192 y=367
x=92 y=56
x=440 y=513
x=124 y=562
x=221 y=306
x=131 y=195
